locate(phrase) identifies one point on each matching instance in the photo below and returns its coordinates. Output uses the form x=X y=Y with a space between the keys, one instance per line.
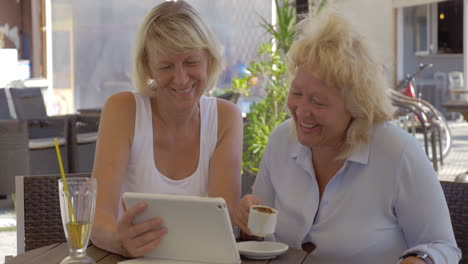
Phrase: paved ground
x=457 y=160
x=455 y=164
x=7 y=244
x=7 y=239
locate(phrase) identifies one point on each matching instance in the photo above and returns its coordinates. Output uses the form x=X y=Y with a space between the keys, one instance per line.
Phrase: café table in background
x=53 y=254
x=460 y=106
x=90 y=112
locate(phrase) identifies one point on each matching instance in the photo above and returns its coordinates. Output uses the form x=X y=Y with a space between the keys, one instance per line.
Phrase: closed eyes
x=186 y=63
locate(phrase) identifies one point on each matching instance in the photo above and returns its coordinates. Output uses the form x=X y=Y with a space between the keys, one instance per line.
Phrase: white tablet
x=199 y=228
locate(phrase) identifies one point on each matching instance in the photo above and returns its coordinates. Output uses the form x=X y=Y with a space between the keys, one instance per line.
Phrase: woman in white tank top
x=166 y=137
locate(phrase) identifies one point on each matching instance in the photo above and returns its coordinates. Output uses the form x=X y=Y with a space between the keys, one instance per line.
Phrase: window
x=438 y=28
x=450 y=27
x=421 y=28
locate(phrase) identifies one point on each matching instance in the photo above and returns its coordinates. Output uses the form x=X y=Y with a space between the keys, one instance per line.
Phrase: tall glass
x=77 y=208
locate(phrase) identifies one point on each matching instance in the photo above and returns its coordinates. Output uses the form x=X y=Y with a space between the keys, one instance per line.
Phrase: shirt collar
x=360 y=155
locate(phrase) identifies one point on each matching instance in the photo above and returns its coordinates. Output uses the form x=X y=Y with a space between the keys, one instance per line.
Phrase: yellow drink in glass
x=77 y=206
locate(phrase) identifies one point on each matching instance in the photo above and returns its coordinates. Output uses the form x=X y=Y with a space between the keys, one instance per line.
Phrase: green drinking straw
x=64 y=179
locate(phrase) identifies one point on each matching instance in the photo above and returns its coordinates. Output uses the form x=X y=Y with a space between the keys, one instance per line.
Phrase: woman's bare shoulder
x=122 y=103
x=120 y=110
x=229 y=114
x=121 y=99
x=227 y=109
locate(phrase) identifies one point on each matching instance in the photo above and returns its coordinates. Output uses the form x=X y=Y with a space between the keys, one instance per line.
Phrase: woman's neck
x=174 y=118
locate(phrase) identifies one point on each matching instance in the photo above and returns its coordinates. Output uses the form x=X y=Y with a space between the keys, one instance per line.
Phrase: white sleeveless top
x=142 y=174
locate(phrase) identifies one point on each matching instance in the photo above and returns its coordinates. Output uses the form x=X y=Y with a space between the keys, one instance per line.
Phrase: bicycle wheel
x=445 y=133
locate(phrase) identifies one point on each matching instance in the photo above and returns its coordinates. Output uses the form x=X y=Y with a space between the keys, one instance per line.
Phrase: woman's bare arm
x=112 y=153
x=225 y=164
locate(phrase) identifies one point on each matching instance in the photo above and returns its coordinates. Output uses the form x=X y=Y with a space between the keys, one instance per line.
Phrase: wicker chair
x=28 y=103
x=14 y=153
x=39 y=222
x=27 y=148
x=82 y=143
x=42 y=155
x=456 y=194
x=4 y=110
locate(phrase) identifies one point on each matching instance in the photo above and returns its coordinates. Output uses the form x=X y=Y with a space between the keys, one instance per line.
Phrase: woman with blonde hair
x=343 y=178
x=166 y=137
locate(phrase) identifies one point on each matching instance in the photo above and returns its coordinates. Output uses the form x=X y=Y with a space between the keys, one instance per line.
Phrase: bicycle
x=430 y=115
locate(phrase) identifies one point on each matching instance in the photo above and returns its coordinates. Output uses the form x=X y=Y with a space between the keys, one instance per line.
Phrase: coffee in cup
x=262 y=220
x=263 y=209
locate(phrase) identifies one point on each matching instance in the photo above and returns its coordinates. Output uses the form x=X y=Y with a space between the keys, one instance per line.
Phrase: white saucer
x=261 y=249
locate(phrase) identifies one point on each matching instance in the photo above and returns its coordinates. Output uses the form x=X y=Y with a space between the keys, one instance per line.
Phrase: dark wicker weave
x=14 y=153
x=456 y=194
x=44 y=160
x=42 y=220
x=81 y=155
x=4 y=110
x=28 y=103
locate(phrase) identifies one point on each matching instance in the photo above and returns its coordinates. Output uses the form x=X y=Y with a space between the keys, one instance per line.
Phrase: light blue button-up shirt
x=385 y=201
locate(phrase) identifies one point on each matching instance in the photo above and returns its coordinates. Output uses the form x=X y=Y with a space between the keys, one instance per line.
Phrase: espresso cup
x=262 y=220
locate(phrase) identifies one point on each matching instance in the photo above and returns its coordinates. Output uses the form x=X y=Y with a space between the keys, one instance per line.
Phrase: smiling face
x=181 y=78
x=319 y=112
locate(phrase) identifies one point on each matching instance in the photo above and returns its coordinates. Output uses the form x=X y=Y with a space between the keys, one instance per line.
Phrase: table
x=90 y=111
x=459 y=91
x=53 y=254
x=460 y=106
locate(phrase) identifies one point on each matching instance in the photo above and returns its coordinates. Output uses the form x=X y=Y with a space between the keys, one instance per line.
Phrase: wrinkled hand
x=137 y=240
x=241 y=213
x=412 y=260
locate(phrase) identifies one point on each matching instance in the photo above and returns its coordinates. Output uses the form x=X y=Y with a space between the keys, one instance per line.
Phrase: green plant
x=265 y=115
x=284 y=30
x=270 y=69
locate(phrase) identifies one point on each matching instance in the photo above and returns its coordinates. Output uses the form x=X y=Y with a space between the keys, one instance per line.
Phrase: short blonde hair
x=177 y=27
x=343 y=60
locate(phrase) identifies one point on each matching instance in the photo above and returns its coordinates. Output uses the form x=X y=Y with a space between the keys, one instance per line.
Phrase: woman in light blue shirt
x=341 y=177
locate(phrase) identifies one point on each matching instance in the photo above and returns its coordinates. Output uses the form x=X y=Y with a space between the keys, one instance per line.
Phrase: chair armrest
x=47 y=128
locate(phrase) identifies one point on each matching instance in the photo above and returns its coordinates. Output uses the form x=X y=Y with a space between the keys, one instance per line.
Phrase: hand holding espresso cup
x=262 y=220
x=242 y=210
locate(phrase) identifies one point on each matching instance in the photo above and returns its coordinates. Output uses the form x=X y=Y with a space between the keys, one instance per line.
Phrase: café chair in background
x=14 y=153
x=4 y=110
x=82 y=142
x=38 y=218
x=457 y=82
x=456 y=194
x=28 y=103
x=27 y=148
x=79 y=137
x=42 y=153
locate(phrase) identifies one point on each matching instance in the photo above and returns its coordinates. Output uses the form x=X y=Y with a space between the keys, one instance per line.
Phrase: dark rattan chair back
x=456 y=194
x=82 y=143
x=42 y=155
x=4 y=110
x=28 y=103
x=14 y=153
x=39 y=222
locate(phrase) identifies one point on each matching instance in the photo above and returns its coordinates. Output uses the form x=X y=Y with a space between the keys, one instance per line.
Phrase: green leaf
x=322 y=6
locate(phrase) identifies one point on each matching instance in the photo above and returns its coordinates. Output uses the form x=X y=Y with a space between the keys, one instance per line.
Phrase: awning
x=405 y=3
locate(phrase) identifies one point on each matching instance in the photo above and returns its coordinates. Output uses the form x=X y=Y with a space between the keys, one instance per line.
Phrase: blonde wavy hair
x=346 y=62
x=177 y=27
